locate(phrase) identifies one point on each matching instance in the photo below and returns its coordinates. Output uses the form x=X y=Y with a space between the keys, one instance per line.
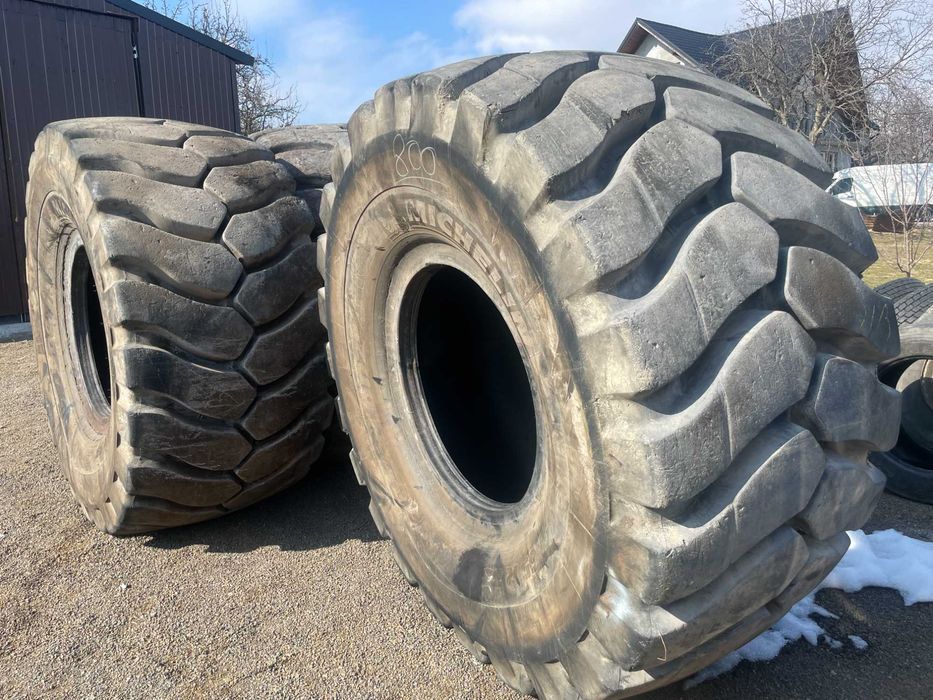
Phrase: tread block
x=801 y=212
x=436 y=89
x=665 y=75
x=668 y=168
x=598 y=112
x=249 y=186
x=844 y=500
x=651 y=635
x=184 y=211
x=279 y=404
x=311 y=196
x=392 y=104
x=310 y=167
x=293 y=472
x=730 y=122
x=638 y=345
x=512 y=97
x=328 y=194
x=153 y=431
x=512 y=674
x=756 y=370
x=212 y=332
x=846 y=402
x=272 y=455
x=206 y=270
x=148 y=514
x=832 y=302
x=340 y=159
x=291 y=138
x=144 y=131
x=256 y=236
x=321 y=254
x=664 y=557
x=215 y=393
x=179 y=484
x=164 y=163
x=224 y=148
x=275 y=352
x=268 y=293
x=362 y=126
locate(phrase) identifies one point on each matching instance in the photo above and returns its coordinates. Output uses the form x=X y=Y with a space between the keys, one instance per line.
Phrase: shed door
x=56 y=63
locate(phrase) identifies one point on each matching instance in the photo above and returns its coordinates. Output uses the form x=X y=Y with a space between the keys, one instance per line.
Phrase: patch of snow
x=888 y=559
x=858 y=642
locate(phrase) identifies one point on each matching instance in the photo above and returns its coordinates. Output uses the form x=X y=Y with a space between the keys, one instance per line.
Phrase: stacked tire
x=173 y=297
x=605 y=358
x=909 y=465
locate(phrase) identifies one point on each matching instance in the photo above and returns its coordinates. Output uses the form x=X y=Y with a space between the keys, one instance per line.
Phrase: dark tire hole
x=475 y=386
x=90 y=333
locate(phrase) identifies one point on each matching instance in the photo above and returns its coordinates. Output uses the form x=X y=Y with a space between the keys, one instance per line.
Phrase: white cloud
x=336 y=59
x=533 y=25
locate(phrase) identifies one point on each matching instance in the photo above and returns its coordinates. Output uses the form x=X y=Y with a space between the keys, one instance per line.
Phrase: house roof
x=695 y=48
x=702 y=50
x=198 y=37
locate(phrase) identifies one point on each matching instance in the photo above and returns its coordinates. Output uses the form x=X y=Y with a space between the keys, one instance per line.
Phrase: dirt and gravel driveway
x=298 y=598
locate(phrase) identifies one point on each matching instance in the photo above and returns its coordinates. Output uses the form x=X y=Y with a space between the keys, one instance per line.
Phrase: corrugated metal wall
x=184 y=80
x=57 y=63
x=61 y=59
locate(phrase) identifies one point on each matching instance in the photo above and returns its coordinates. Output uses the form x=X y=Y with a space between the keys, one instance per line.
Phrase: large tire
x=173 y=297
x=605 y=359
x=909 y=464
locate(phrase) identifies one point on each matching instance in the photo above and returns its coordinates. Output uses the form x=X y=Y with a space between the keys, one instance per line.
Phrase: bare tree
x=820 y=64
x=900 y=189
x=264 y=104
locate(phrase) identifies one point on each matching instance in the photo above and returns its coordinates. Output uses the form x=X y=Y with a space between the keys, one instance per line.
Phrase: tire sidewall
x=86 y=441
x=524 y=583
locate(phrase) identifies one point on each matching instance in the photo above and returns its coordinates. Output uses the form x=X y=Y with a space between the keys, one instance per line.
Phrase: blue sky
x=338 y=53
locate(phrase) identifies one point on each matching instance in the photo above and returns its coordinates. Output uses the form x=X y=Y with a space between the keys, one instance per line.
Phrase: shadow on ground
x=324 y=509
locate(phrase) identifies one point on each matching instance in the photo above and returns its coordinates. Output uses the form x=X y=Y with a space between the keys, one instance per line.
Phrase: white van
x=879 y=189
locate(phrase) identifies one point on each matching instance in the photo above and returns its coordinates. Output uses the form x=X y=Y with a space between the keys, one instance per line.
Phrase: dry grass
x=884 y=271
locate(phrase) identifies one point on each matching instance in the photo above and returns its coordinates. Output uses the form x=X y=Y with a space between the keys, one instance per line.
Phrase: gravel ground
x=298 y=597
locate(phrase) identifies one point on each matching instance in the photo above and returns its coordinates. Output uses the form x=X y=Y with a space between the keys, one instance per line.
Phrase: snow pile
x=886 y=558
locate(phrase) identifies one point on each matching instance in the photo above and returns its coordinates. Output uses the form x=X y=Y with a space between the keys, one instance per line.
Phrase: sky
x=337 y=54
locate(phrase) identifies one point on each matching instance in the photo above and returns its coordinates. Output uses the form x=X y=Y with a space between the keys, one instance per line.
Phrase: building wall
x=183 y=80
x=63 y=59
x=651 y=48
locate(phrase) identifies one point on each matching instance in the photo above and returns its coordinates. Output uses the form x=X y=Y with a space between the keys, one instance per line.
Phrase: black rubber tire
x=895 y=289
x=909 y=464
x=200 y=259
x=697 y=345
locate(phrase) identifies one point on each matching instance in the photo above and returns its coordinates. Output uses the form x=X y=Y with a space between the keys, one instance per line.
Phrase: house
x=710 y=53
x=63 y=59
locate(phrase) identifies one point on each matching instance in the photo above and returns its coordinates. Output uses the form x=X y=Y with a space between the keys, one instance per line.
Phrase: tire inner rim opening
x=89 y=334
x=465 y=376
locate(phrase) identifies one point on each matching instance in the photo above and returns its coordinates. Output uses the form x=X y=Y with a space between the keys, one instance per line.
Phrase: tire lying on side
x=173 y=297
x=909 y=464
x=605 y=359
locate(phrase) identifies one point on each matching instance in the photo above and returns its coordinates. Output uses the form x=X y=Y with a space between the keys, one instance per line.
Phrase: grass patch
x=884 y=271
